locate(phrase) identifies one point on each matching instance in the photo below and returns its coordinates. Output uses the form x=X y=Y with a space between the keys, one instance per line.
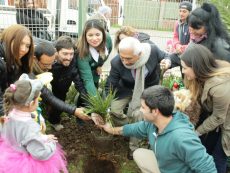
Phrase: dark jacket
x=33 y=20
x=181 y=35
x=64 y=76
x=7 y=77
x=144 y=38
x=220 y=49
x=121 y=78
x=50 y=99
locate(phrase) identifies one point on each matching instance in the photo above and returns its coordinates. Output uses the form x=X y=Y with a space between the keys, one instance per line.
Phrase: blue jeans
x=214 y=148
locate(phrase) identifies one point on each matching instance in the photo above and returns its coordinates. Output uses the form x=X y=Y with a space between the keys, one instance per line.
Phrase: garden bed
x=77 y=142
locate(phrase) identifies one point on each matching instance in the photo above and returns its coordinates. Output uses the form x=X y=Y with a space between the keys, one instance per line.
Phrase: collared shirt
x=95 y=55
x=146 y=73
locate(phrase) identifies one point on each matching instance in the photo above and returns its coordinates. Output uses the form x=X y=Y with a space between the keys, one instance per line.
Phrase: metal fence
x=54 y=18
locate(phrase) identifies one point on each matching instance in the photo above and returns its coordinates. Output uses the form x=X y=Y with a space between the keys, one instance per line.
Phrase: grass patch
x=163 y=29
x=116 y=25
x=71 y=168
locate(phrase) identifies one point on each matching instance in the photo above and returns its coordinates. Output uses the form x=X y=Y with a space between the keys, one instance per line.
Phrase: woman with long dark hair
x=209 y=82
x=208 y=29
x=93 y=47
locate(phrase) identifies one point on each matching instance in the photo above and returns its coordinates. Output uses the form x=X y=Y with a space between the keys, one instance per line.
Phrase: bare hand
x=52 y=138
x=43 y=124
x=166 y=62
x=79 y=112
x=97 y=119
x=178 y=50
x=108 y=128
x=99 y=70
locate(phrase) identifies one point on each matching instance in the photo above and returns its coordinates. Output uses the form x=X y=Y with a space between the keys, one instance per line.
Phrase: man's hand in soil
x=52 y=138
x=112 y=130
x=97 y=119
x=79 y=112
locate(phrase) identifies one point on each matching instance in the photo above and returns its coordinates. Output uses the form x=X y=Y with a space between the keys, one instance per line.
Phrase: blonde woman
x=128 y=31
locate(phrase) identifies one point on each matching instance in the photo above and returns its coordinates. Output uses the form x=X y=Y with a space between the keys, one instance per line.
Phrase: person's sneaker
x=57 y=127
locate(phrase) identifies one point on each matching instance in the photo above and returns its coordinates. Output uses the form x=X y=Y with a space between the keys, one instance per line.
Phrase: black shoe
x=80 y=122
x=130 y=154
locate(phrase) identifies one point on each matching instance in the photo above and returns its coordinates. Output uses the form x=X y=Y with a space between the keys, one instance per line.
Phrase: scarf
x=199 y=39
x=37 y=69
x=140 y=79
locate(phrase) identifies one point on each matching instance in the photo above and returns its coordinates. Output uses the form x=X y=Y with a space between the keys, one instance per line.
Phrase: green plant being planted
x=101 y=104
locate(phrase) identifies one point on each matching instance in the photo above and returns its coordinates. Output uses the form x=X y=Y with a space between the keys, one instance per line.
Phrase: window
x=73 y=4
x=2 y=2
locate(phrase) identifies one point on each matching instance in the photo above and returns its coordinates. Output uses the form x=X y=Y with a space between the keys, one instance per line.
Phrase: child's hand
x=43 y=124
x=52 y=138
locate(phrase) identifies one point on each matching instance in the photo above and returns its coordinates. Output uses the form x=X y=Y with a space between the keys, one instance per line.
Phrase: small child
x=22 y=146
x=169 y=47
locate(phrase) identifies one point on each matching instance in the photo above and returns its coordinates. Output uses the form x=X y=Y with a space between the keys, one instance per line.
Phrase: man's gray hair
x=105 y=10
x=131 y=43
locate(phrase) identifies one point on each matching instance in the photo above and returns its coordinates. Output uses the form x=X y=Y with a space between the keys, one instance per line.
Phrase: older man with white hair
x=103 y=15
x=132 y=71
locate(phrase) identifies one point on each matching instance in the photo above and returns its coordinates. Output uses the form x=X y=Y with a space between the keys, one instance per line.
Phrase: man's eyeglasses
x=46 y=65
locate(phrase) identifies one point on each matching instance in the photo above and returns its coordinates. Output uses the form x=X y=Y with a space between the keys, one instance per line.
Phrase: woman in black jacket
x=208 y=29
x=33 y=19
x=16 y=57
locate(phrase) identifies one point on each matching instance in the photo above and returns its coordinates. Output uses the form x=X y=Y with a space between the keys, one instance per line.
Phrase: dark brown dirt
x=95 y=165
x=77 y=142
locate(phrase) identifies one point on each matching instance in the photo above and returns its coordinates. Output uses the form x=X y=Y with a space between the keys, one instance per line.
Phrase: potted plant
x=101 y=104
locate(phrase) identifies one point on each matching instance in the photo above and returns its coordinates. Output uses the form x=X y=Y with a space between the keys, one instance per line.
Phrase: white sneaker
x=57 y=127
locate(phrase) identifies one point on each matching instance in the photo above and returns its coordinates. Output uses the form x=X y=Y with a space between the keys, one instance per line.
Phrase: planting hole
x=93 y=165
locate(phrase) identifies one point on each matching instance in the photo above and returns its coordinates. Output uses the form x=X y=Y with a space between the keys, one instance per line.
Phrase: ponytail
x=8 y=100
x=215 y=23
x=209 y=17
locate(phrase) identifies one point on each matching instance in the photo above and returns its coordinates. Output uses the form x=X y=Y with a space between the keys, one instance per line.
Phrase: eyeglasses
x=46 y=65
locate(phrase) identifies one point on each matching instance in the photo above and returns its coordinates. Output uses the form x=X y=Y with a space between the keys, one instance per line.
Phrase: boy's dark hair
x=44 y=48
x=159 y=97
x=65 y=42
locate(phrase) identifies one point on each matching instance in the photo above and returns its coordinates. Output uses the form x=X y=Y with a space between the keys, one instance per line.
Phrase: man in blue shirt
x=175 y=147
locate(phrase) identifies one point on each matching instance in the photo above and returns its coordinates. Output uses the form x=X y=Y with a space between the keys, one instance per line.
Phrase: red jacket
x=181 y=29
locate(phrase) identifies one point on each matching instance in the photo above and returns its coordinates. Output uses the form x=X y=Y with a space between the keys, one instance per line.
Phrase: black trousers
x=175 y=61
x=80 y=104
x=55 y=114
